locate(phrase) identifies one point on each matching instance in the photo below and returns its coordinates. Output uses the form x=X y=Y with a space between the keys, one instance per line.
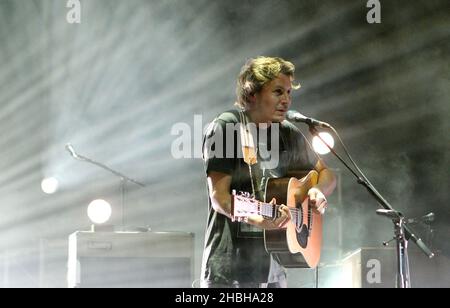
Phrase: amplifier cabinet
x=130 y=259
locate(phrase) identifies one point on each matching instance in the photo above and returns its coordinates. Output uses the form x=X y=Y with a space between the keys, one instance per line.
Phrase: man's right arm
x=219 y=186
x=219 y=191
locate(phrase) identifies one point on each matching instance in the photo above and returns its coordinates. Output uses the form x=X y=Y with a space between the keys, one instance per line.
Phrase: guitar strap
x=249 y=147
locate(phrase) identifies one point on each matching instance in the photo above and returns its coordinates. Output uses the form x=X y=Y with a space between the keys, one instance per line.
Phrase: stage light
x=49 y=185
x=99 y=211
x=319 y=146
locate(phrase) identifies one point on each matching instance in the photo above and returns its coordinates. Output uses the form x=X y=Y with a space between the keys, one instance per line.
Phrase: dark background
x=116 y=84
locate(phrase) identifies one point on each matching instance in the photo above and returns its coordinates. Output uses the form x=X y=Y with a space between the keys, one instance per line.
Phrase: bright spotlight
x=319 y=146
x=49 y=185
x=99 y=211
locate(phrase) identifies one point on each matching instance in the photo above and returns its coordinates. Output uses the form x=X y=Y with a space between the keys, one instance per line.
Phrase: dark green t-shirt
x=234 y=251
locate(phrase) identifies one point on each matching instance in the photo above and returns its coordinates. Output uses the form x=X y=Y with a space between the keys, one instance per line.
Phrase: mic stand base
x=403 y=277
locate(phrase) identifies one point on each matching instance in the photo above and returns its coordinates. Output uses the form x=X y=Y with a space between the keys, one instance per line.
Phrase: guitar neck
x=271 y=210
x=268 y=210
x=244 y=206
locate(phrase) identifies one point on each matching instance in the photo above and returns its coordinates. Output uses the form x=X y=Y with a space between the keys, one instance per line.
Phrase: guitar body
x=297 y=246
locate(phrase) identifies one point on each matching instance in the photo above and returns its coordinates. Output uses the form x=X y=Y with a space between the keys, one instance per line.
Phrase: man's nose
x=286 y=100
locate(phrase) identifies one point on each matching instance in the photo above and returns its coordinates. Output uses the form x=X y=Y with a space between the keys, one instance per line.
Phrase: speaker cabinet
x=127 y=259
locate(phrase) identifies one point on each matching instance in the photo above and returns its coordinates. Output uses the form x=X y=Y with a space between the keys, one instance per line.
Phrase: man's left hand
x=317 y=199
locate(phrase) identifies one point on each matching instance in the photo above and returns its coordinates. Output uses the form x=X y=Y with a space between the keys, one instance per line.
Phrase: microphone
x=298 y=117
x=70 y=149
x=427 y=219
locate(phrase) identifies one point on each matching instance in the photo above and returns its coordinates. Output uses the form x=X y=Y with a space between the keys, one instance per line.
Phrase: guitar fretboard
x=271 y=211
x=244 y=206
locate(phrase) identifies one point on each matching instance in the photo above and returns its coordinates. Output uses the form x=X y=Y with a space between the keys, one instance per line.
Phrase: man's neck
x=253 y=117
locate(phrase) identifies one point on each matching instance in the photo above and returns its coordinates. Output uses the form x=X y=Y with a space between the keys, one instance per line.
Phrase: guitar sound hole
x=302 y=236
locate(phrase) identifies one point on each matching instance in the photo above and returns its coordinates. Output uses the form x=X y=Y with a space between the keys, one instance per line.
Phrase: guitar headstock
x=243 y=205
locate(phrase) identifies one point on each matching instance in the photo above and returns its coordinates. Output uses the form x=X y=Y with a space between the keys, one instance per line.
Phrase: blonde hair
x=256 y=73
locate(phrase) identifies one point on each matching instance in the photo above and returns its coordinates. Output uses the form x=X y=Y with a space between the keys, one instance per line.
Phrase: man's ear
x=252 y=98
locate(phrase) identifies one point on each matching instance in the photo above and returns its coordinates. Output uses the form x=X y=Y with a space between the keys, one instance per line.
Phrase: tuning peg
x=244 y=194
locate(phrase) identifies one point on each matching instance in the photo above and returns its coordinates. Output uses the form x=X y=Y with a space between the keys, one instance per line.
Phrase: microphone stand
x=123 y=178
x=403 y=233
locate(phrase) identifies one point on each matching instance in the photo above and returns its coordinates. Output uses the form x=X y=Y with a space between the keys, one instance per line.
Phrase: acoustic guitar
x=299 y=245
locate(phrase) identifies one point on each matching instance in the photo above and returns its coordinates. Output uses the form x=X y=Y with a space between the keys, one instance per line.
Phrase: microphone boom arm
x=123 y=178
x=88 y=160
x=82 y=158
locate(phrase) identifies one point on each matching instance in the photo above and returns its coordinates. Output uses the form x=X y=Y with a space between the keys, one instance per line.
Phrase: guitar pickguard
x=302 y=236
